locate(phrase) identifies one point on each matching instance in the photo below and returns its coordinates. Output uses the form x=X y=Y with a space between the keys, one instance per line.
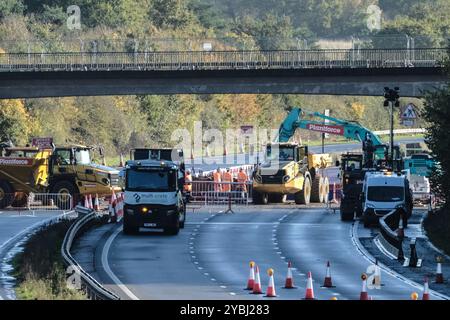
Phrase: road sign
x=407 y=122
x=246 y=129
x=338 y=130
x=409 y=112
x=42 y=143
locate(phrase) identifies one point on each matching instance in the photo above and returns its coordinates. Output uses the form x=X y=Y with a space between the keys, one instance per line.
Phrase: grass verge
x=437 y=226
x=39 y=269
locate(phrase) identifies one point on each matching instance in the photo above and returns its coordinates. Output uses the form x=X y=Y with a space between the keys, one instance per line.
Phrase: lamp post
x=391 y=99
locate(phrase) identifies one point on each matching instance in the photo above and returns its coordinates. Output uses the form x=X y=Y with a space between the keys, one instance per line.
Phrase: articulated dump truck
x=59 y=172
x=290 y=169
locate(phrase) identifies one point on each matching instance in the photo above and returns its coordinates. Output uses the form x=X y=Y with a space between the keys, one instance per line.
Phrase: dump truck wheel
x=20 y=201
x=278 y=198
x=260 y=198
x=304 y=196
x=5 y=194
x=63 y=189
x=316 y=190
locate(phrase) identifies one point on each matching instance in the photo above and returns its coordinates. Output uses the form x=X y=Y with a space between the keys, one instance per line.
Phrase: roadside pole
x=391 y=100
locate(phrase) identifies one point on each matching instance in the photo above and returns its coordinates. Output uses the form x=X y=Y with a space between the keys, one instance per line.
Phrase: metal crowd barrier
x=93 y=289
x=210 y=193
x=37 y=201
x=223 y=60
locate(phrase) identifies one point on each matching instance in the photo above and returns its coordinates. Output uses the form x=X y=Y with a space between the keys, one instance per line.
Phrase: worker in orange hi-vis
x=242 y=180
x=217 y=179
x=228 y=179
x=188 y=182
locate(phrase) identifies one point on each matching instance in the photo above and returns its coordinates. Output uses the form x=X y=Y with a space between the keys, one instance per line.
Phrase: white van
x=384 y=192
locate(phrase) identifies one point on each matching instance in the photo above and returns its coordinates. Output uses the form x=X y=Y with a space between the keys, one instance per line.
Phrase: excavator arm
x=350 y=130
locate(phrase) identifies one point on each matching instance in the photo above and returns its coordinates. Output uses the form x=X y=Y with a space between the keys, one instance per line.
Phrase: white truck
x=154 y=196
x=384 y=191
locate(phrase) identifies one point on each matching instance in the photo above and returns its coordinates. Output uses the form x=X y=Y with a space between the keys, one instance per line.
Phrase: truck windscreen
x=282 y=153
x=149 y=180
x=385 y=194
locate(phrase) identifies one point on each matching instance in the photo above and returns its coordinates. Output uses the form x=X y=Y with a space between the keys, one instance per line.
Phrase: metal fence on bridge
x=223 y=60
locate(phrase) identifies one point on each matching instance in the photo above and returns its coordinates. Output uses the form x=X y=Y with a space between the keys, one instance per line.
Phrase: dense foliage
x=118 y=123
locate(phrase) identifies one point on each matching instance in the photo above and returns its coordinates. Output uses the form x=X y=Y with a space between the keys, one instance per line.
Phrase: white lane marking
x=366 y=255
x=108 y=270
x=380 y=247
x=318 y=225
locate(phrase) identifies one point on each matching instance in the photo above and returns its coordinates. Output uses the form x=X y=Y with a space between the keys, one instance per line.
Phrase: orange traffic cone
x=257 y=285
x=364 y=295
x=96 y=203
x=309 y=288
x=91 y=205
x=328 y=283
x=439 y=275
x=271 y=287
x=251 y=277
x=86 y=201
x=426 y=290
x=289 y=284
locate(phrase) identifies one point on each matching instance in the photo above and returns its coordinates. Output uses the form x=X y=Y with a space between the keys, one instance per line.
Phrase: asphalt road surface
x=209 y=259
x=14 y=227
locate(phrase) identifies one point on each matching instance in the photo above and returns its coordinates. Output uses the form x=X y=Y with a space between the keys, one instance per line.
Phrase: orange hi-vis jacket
x=188 y=183
x=227 y=177
x=217 y=179
x=242 y=179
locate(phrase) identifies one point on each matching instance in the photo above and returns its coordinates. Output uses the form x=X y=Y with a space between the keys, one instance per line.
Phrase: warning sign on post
x=42 y=143
x=409 y=112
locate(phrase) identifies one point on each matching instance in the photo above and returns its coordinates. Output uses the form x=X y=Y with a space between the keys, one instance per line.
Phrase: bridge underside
x=356 y=82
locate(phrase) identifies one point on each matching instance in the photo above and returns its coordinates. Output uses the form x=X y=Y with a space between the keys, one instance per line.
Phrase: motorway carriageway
x=210 y=258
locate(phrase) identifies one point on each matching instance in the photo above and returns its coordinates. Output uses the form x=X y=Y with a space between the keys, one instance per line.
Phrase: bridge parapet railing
x=222 y=60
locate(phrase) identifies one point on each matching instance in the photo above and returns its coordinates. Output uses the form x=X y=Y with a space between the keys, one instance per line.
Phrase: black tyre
x=265 y=198
x=304 y=196
x=63 y=190
x=129 y=229
x=316 y=189
x=172 y=231
x=20 y=201
x=257 y=197
x=6 y=191
x=346 y=216
x=277 y=198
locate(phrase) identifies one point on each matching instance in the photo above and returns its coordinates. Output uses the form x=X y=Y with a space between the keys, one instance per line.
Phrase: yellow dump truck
x=289 y=168
x=60 y=171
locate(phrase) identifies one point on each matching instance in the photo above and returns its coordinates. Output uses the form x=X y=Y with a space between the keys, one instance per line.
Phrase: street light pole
x=391 y=100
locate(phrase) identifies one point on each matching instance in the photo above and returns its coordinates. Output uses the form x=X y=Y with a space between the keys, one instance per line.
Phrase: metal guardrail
x=400 y=131
x=94 y=290
x=222 y=60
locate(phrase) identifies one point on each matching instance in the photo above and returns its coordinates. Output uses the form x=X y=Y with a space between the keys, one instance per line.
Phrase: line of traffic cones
x=364 y=295
x=289 y=283
x=426 y=290
x=91 y=203
x=328 y=283
x=439 y=275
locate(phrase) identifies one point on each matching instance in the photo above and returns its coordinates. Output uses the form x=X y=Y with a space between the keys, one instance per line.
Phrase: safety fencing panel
x=36 y=202
x=210 y=193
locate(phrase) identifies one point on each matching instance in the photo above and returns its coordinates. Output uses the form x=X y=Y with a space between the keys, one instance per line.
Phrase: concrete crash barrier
x=392 y=236
x=79 y=278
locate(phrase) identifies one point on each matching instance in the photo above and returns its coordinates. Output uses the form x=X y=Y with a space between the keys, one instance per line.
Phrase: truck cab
x=383 y=192
x=352 y=177
x=153 y=196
